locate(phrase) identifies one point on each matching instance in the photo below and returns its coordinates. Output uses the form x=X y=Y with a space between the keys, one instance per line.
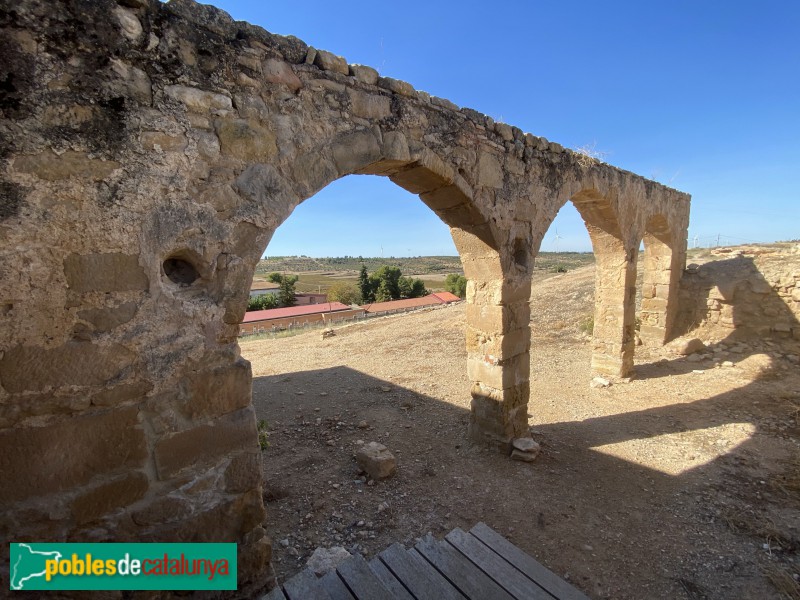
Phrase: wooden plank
x=389 y=581
x=496 y=567
x=470 y=580
x=361 y=580
x=335 y=587
x=527 y=564
x=275 y=594
x=420 y=578
x=305 y=586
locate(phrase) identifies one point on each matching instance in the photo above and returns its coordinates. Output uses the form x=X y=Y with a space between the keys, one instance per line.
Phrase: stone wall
x=742 y=293
x=148 y=152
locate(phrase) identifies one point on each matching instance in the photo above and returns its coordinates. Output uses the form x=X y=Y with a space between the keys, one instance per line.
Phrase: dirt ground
x=683 y=483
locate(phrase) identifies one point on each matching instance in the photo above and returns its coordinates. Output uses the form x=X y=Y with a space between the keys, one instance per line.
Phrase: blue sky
x=701 y=96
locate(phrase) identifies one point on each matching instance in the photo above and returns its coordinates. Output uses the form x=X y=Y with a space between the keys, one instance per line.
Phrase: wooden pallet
x=479 y=565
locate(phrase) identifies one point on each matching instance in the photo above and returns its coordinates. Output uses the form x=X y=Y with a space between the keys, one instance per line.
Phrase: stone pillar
x=615 y=306
x=662 y=271
x=498 y=345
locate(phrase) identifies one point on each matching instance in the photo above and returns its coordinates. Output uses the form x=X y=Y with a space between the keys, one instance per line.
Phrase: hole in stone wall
x=180 y=271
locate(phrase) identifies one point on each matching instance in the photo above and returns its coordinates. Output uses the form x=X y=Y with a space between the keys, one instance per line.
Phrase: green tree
x=383 y=293
x=456 y=284
x=418 y=289
x=406 y=286
x=346 y=293
x=287 y=283
x=286 y=294
x=263 y=302
x=367 y=293
x=390 y=278
x=411 y=288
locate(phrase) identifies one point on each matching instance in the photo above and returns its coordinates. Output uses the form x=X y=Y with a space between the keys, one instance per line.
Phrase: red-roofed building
x=259 y=321
x=446 y=297
x=396 y=306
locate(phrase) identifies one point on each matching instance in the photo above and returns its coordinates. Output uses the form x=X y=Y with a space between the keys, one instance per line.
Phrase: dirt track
x=680 y=484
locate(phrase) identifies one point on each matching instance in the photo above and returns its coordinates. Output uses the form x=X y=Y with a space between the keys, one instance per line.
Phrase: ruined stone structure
x=148 y=153
x=753 y=293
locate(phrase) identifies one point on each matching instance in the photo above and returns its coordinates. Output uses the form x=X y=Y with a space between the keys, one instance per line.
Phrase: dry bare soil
x=683 y=483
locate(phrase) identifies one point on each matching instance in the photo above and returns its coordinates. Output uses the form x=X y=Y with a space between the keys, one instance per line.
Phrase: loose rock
x=686 y=346
x=376 y=460
x=327 y=559
x=599 y=382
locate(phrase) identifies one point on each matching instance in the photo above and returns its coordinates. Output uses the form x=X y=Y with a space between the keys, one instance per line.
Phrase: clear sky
x=703 y=96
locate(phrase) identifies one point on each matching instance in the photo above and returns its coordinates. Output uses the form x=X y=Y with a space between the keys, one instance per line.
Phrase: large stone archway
x=148 y=152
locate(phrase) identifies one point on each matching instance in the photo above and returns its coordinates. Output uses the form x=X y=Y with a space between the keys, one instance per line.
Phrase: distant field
x=419 y=265
x=318 y=274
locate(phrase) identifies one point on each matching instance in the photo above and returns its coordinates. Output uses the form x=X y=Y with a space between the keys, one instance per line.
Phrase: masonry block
x=218 y=391
x=115 y=494
x=76 y=363
x=110 y=272
x=206 y=443
x=67 y=454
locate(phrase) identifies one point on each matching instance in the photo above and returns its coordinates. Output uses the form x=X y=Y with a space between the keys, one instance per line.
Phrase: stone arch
x=497 y=335
x=661 y=273
x=613 y=336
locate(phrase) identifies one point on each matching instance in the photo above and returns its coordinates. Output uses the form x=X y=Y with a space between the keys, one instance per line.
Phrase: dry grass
x=587 y=155
x=783 y=580
x=788 y=482
x=763 y=528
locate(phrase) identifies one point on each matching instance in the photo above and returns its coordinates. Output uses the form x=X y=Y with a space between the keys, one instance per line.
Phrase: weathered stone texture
x=218 y=391
x=753 y=294
x=67 y=454
x=28 y=368
x=376 y=460
x=148 y=157
x=52 y=167
x=112 y=272
x=115 y=494
x=243 y=472
x=106 y=319
x=205 y=443
x=198 y=100
x=245 y=140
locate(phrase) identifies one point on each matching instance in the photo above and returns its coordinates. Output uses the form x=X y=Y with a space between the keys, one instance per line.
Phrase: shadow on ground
x=616 y=528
